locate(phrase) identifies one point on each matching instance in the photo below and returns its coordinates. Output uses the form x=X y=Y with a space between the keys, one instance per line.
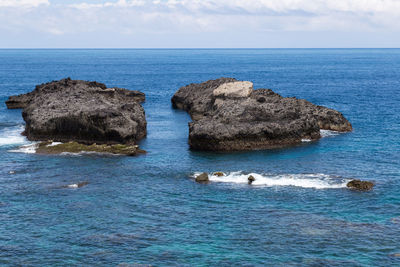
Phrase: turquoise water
x=148 y=210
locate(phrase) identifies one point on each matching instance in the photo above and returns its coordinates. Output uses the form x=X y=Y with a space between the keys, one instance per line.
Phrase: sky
x=199 y=23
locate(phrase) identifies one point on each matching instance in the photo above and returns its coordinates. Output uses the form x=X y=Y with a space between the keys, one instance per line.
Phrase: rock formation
x=81 y=111
x=251 y=179
x=202 y=178
x=360 y=185
x=229 y=115
x=48 y=147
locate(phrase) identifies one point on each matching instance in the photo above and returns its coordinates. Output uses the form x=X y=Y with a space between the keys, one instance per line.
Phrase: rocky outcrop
x=202 y=178
x=360 y=185
x=73 y=147
x=21 y=101
x=83 y=112
x=229 y=115
x=250 y=179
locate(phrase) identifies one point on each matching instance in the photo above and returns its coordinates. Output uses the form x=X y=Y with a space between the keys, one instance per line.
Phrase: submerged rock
x=219 y=174
x=251 y=179
x=74 y=147
x=78 y=185
x=81 y=111
x=360 y=185
x=202 y=178
x=229 y=115
x=395 y=220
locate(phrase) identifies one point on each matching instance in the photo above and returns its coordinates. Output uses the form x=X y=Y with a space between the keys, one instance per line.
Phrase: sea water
x=148 y=209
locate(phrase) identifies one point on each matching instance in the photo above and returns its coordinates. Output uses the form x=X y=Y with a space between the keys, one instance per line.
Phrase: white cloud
x=255 y=18
x=119 y=3
x=217 y=15
x=23 y=3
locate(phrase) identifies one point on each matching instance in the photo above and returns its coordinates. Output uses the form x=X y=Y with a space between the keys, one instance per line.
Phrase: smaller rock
x=397 y=255
x=81 y=184
x=360 y=185
x=219 y=174
x=251 y=179
x=202 y=178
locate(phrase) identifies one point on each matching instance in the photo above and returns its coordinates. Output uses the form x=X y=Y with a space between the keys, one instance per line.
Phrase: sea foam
x=12 y=136
x=316 y=180
x=328 y=133
x=27 y=149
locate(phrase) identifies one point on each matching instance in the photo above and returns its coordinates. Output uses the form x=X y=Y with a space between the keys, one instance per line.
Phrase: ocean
x=149 y=211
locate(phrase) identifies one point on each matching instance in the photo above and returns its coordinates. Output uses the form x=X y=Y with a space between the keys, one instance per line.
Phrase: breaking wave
x=316 y=180
x=328 y=133
x=12 y=136
x=27 y=149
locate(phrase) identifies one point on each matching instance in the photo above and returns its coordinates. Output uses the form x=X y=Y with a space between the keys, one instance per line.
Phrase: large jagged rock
x=229 y=115
x=81 y=111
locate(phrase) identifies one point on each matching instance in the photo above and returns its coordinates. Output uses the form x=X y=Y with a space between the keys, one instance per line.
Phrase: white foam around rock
x=27 y=149
x=328 y=133
x=316 y=180
x=12 y=136
x=54 y=144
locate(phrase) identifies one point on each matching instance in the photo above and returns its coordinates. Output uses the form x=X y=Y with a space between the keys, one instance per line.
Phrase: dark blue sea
x=147 y=210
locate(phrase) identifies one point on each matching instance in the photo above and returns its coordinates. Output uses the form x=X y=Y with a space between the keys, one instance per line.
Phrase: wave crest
x=316 y=180
x=12 y=136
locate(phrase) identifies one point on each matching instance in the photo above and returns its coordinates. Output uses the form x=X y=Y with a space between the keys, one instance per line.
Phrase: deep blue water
x=148 y=210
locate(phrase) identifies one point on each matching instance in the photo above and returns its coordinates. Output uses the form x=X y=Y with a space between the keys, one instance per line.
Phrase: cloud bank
x=23 y=3
x=200 y=23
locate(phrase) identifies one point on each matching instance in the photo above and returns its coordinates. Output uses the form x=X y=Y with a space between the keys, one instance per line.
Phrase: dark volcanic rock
x=202 y=178
x=360 y=185
x=251 y=179
x=229 y=115
x=81 y=111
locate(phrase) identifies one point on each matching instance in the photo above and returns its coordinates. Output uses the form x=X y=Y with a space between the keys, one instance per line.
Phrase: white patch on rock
x=54 y=144
x=234 y=89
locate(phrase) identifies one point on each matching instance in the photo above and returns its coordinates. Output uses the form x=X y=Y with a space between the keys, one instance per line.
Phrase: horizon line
x=185 y=48
x=199 y=48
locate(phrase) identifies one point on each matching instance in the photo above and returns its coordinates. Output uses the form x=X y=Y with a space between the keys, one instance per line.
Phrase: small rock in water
x=202 y=178
x=397 y=255
x=219 y=174
x=78 y=185
x=395 y=220
x=251 y=179
x=360 y=185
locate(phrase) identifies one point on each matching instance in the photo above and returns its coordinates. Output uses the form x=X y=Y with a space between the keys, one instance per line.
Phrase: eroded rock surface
x=229 y=115
x=202 y=178
x=74 y=147
x=360 y=185
x=81 y=111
